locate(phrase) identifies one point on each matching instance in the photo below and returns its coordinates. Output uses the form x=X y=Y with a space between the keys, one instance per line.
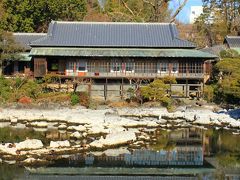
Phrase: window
x=81 y=65
x=54 y=66
x=116 y=66
x=129 y=66
x=175 y=67
x=81 y=68
x=164 y=67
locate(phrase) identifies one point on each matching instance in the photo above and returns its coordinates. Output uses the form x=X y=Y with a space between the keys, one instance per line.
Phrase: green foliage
x=75 y=99
x=169 y=80
x=30 y=89
x=50 y=78
x=8 y=48
x=13 y=89
x=157 y=91
x=228 y=87
x=209 y=93
x=219 y=18
x=229 y=53
x=32 y=16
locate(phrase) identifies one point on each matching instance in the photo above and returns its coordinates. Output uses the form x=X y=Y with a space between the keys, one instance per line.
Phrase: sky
x=185 y=13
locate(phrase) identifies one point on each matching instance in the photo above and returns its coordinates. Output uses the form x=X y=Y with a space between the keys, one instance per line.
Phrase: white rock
x=80 y=128
x=98 y=129
x=76 y=135
x=14 y=120
x=1 y=161
x=40 y=124
x=114 y=139
x=29 y=160
x=29 y=144
x=62 y=126
x=6 y=149
x=57 y=144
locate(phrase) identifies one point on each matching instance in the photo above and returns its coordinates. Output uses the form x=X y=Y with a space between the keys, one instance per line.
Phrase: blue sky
x=184 y=14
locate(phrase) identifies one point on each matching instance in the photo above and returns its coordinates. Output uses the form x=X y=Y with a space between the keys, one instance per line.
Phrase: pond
x=186 y=153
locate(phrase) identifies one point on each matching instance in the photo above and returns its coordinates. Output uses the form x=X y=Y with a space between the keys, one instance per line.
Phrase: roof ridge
x=125 y=23
x=25 y=33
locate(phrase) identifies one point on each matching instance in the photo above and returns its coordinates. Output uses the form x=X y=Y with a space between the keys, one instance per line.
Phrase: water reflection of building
x=179 y=156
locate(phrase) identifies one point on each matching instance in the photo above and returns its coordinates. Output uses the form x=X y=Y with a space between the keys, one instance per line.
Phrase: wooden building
x=22 y=65
x=107 y=51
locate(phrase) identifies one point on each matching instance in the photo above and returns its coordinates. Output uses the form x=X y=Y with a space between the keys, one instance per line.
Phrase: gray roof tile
x=232 y=41
x=111 y=34
x=24 y=39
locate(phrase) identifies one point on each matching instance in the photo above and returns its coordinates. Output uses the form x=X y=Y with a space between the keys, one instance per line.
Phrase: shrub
x=84 y=99
x=155 y=91
x=75 y=99
x=229 y=53
x=208 y=93
x=30 y=89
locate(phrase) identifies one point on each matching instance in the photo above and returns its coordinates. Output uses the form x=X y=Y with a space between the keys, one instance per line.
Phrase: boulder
x=114 y=139
x=76 y=135
x=58 y=144
x=29 y=144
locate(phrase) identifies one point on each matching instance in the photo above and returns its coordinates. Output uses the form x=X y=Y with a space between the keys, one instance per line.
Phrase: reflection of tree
x=163 y=142
x=226 y=146
x=228 y=160
x=8 y=134
x=10 y=172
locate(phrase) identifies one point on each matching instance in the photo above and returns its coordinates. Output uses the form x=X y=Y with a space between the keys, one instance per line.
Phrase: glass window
x=54 y=66
x=116 y=66
x=129 y=66
x=81 y=65
x=175 y=67
x=164 y=67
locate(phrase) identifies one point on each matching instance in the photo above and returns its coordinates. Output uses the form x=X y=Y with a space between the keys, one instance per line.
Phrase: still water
x=190 y=153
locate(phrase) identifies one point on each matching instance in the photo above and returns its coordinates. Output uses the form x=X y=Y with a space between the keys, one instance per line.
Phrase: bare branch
x=126 y=6
x=148 y=2
x=178 y=11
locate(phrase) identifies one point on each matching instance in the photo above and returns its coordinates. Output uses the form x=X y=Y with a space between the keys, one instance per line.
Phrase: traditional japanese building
x=22 y=65
x=119 y=52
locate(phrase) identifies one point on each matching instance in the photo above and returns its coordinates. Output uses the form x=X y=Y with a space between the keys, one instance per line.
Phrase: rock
x=62 y=126
x=98 y=130
x=80 y=128
x=58 y=144
x=114 y=139
x=10 y=162
x=76 y=135
x=29 y=144
x=14 y=120
x=32 y=161
x=41 y=124
x=1 y=161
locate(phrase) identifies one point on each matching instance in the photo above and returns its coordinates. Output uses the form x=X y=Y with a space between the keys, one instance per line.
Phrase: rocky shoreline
x=105 y=129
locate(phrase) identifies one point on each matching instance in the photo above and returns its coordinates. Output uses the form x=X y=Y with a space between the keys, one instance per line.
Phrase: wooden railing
x=133 y=74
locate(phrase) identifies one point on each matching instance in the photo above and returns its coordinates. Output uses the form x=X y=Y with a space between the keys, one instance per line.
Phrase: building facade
x=123 y=52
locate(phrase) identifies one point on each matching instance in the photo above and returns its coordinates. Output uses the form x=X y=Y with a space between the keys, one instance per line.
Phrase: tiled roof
x=24 y=39
x=112 y=34
x=232 y=41
x=214 y=49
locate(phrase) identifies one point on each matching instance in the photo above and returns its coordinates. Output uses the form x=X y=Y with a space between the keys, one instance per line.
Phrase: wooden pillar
x=105 y=90
x=90 y=88
x=187 y=88
x=121 y=89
